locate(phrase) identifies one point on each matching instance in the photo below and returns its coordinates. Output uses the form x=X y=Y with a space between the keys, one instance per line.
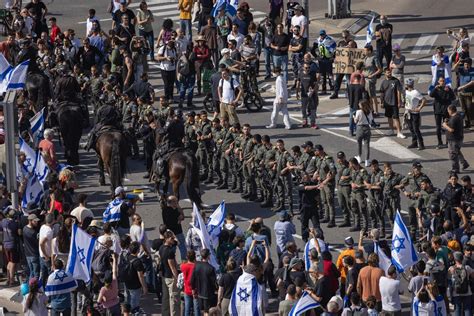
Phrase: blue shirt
x=243 y=26
x=258 y=250
x=284 y=233
x=61 y=301
x=466 y=76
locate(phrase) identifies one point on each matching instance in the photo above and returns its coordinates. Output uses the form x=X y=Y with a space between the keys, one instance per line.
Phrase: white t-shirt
x=390 y=292
x=239 y=38
x=45 y=233
x=422 y=309
x=301 y=21
x=167 y=65
x=81 y=213
x=361 y=119
x=136 y=234
x=89 y=24
x=413 y=99
x=228 y=94
x=115 y=242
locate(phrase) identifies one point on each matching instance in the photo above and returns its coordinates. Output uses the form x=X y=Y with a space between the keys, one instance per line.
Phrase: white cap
x=119 y=190
x=225 y=51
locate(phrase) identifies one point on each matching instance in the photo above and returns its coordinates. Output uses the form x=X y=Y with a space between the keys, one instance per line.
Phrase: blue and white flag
x=112 y=212
x=384 y=261
x=41 y=168
x=403 y=251
x=37 y=126
x=60 y=282
x=370 y=31
x=30 y=154
x=247 y=297
x=310 y=244
x=33 y=192
x=5 y=67
x=215 y=223
x=16 y=78
x=304 y=304
x=80 y=254
x=231 y=7
x=203 y=234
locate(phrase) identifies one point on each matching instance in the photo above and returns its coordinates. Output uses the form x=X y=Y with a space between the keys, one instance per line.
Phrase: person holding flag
x=247 y=297
x=58 y=288
x=80 y=254
x=118 y=212
x=403 y=252
x=215 y=223
x=306 y=303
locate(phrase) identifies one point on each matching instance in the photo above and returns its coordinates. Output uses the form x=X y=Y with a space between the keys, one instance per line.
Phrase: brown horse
x=112 y=151
x=181 y=166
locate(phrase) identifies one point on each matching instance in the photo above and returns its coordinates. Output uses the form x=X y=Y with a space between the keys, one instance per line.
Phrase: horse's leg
x=176 y=180
x=100 y=163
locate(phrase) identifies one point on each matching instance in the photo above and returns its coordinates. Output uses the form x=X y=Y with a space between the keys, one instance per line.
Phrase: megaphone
x=135 y=197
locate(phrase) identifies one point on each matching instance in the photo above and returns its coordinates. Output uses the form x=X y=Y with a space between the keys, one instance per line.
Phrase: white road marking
x=389 y=146
x=424 y=44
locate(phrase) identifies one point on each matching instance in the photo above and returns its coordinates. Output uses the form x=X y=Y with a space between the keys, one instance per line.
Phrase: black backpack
x=438 y=274
x=231 y=233
x=460 y=280
x=101 y=262
x=126 y=270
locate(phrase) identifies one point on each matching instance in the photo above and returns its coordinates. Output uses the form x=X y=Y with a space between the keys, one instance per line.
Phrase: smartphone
x=425 y=282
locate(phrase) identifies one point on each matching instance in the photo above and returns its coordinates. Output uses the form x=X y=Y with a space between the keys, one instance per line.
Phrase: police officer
x=163 y=110
x=259 y=155
x=247 y=157
x=236 y=163
x=359 y=178
x=309 y=209
x=268 y=174
x=217 y=137
x=129 y=121
x=96 y=83
x=326 y=170
x=204 y=152
x=284 y=187
x=190 y=135
x=375 y=195
x=226 y=152
x=429 y=195
x=308 y=154
x=413 y=181
x=343 y=182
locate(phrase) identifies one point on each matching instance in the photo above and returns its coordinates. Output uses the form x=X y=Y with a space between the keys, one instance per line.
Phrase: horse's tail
x=115 y=165
x=192 y=179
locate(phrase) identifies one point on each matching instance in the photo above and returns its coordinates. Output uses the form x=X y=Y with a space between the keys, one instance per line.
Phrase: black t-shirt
x=204 y=280
x=36 y=9
x=389 y=89
x=124 y=221
x=133 y=282
x=297 y=41
x=170 y=219
x=455 y=122
x=298 y=278
x=359 y=266
x=385 y=39
x=118 y=16
x=167 y=253
x=356 y=94
x=30 y=242
x=322 y=290
x=281 y=40
x=351 y=278
x=228 y=281
x=307 y=81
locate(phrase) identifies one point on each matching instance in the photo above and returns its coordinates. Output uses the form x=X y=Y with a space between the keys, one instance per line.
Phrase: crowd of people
x=108 y=71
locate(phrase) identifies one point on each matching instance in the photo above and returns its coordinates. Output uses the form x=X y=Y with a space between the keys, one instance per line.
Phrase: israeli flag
x=5 y=67
x=203 y=234
x=60 y=282
x=16 y=78
x=41 y=168
x=80 y=254
x=30 y=162
x=304 y=304
x=247 y=297
x=112 y=212
x=231 y=7
x=37 y=126
x=403 y=251
x=370 y=31
x=33 y=192
x=215 y=223
x=384 y=261
x=307 y=250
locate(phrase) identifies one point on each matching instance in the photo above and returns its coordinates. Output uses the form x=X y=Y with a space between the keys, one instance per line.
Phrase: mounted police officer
x=130 y=122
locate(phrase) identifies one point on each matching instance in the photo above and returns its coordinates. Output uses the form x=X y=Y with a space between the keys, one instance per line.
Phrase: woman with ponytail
x=34 y=303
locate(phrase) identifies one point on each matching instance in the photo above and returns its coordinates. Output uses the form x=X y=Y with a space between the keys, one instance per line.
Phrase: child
x=54 y=29
x=371 y=302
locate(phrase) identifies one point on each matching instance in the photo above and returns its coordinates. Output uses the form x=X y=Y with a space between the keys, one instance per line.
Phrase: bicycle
x=6 y=22
x=253 y=101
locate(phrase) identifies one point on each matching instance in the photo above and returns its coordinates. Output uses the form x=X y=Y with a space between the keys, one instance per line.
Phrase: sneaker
x=287 y=127
x=358 y=158
x=315 y=126
x=465 y=166
x=334 y=96
x=367 y=163
x=270 y=126
x=400 y=135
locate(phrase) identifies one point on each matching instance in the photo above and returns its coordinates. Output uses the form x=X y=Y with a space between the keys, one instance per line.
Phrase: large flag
x=304 y=304
x=215 y=223
x=247 y=297
x=231 y=7
x=60 y=282
x=35 y=162
x=37 y=126
x=33 y=192
x=16 y=78
x=80 y=254
x=403 y=251
x=384 y=261
x=201 y=230
x=112 y=212
x=5 y=67
x=310 y=244
x=370 y=31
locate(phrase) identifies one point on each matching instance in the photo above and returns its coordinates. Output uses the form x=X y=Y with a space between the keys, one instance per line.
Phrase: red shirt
x=55 y=30
x=187 y=270
x=47 y=148
x=330 y=271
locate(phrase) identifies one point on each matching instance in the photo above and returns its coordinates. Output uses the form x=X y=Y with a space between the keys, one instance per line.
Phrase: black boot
x=355 y=228
x=267 y=203
x=412 y=145
x=346 y=223
x=331 y=224
x=223 y=186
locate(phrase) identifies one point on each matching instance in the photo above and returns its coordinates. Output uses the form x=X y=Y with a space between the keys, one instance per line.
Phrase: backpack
x=122 y=265
x=231 y=83
x=460 y=280
x=438 y=274
x=356 y=312
x=101 y=262
x=231 y=233
x=127 y=272
x=183 y=66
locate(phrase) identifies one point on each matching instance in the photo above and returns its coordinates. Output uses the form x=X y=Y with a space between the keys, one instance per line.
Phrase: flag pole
x=10 y=150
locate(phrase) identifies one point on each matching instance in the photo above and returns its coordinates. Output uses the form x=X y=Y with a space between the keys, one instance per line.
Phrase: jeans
x=133 y=298
x=185 y=26
x=363 y=135
x=281 y=61
x=182 y=246
x=33 y=266
x=149 y=272
x=462 y=305
x=186 y=87
x=414 y=126
x=151 y=41
x=267 y=53
x=63 y=312
x=45 y=269
x=169 y=78
x=352 y=125
x=191 y=304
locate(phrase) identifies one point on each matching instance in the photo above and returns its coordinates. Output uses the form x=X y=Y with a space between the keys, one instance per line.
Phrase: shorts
x=391 y=111
x=11 y=255
x=207 y=303
x=370 y=87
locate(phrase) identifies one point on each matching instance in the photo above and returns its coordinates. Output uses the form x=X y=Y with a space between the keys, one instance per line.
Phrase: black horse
x=39 y=89
x=111 y=148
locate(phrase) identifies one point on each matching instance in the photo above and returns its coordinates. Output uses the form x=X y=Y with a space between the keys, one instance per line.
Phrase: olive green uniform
x=259 y=156
x=218 y=135
x=415 y=185
x=268 y=174
x=327 y=167
x=237 y=177
x=204 y=152
x=391 y=196
x=190 y=137
x=225 y=158
x=376 y=199
x=284 y=185
x=250 y=187
x=358 y=197
x=344 y=189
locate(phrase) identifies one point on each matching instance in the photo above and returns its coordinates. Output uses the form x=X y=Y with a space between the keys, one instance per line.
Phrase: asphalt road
x=418 y=27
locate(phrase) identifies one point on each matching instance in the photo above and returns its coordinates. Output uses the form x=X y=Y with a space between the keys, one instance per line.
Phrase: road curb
x=362 y=22
x=11 y=294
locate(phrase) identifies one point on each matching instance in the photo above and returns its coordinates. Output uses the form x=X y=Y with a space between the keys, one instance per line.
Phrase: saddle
x=107 y=129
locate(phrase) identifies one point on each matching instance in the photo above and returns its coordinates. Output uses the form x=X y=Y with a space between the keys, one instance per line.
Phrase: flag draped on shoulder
x=231 y=7
x=304 y=304
x=60 y=282
x=5 y=67
x=403 y=251
x=80 y=254
x=203 y=234
x=384 y=261
x=247 y=297
x=16 y=78
x=37 y=126
x=112 y=212
x=310 y=244
x=370 y=31
x=215 y=223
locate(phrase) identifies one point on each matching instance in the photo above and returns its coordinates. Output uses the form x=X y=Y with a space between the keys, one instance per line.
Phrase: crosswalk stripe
x=398 y=40
x=424 y=44
x=159 y=7
x=151 y=2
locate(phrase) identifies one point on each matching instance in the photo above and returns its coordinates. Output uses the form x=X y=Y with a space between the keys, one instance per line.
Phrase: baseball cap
x=349 y=241
x=307 y=143
x=322 y=32
x=318 y=147
x=410 y=82
x=294 y=262
x=338 y=300
x=225 y=51
x=341 y=155
x=417 y=164
x=299 y=8
x=119 y=190
x=33 y=217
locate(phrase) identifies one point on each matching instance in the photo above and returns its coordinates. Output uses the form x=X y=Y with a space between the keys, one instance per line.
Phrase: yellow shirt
x=339 y=265
x=185 y=14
